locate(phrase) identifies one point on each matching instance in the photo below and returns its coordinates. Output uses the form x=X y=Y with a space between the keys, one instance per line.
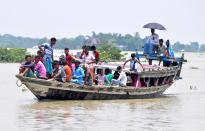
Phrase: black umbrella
x=154 y=26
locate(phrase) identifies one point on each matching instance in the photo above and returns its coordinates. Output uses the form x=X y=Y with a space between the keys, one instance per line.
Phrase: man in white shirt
x=122 y=80
x=154 y=38
x=88 y=57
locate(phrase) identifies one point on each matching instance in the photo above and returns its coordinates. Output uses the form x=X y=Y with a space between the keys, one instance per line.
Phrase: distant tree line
x=123 y=42
x=12 y=55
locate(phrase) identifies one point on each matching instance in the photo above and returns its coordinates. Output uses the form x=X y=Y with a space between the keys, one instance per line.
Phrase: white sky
x=184 y=19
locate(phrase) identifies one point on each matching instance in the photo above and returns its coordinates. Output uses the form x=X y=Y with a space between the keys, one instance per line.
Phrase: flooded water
x=182 y=108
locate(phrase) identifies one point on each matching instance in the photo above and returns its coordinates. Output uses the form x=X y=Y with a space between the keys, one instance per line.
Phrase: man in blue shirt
x=47 y=48
x=78 y=74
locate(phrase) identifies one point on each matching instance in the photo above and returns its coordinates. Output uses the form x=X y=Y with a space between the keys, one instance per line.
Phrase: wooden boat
x=156 y=81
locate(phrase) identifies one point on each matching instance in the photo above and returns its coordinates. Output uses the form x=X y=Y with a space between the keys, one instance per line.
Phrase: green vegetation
x=124 y=42
x=109 y=52
x=12 y=55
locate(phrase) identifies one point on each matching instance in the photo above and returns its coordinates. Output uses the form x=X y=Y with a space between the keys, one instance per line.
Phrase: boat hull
x=43 y=89
x=74 y=95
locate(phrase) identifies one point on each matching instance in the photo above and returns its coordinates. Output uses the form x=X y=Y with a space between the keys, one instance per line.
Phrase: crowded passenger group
x=79 y=70
x=69 y=68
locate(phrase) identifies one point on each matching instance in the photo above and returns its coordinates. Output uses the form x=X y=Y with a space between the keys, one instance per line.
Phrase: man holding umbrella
x=153 y=40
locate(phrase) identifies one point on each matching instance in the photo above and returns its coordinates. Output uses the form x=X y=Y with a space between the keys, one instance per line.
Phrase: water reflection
x=143 y=114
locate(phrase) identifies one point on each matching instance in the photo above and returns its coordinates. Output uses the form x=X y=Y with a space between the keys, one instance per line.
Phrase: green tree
x=109 y=51
x=12 y=55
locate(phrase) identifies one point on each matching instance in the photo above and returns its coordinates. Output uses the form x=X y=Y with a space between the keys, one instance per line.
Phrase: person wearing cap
x=47 y=48
x=78 y=74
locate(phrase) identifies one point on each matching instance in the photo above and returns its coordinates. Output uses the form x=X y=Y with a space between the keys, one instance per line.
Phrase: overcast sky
x=184 y=19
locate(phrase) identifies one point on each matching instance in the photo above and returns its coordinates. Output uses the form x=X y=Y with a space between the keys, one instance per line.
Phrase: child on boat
x=40 y=69
x=58 y=72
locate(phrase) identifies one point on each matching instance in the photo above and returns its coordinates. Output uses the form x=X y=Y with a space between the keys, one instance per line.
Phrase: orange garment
x=68 y=72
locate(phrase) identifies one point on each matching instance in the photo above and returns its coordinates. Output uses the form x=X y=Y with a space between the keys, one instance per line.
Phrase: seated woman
x=58 y=72
x=27 y=67
x=40 y=69
x=122 y=80
x=78 y=74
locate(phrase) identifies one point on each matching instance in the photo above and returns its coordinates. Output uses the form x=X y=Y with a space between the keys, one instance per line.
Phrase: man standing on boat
x=87 y=57
x=154 y=38
x=47 y=48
